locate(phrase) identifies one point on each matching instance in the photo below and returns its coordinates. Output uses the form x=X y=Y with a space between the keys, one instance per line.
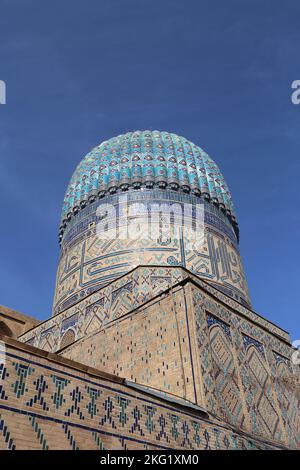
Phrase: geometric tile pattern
x=149 y=347
x=141 y=157
x=263 y=415
x=89 y=261
x=169 y=330
x=289 y=401
x=120 y=297
x=234 y=366
x=128 y=419
x=226 y=387
x=242 y=377
x=99 y=308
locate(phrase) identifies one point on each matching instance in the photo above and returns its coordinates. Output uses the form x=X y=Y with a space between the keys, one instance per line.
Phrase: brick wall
x=189 y=344
x=50 y=402
x=150 y=346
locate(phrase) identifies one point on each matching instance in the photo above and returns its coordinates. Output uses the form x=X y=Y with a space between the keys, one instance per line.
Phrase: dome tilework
x=146 y=158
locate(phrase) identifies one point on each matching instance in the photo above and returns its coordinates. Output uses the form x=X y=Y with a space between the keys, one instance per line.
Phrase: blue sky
x=218 y=73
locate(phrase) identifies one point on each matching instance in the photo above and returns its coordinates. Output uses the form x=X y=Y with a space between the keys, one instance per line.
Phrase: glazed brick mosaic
x=151 y=346
x=170 y=331
x=220 y=360
x=48 y=406
x=121 y=297
x=89 y=261
x=247 y=375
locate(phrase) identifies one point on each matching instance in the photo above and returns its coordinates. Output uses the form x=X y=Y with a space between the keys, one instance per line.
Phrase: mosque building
x=153 y=343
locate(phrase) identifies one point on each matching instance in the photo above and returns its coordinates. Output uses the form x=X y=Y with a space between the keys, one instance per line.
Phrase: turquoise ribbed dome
x=146 y=159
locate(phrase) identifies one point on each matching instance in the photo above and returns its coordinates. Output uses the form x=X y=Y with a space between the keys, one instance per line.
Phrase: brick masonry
x=49 y=402
x=187 y=344
x=172 y=333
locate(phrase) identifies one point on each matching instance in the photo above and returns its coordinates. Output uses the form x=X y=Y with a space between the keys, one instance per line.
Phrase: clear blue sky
x=218 y=72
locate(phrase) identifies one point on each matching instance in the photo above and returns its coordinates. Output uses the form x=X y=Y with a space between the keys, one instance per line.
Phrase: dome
x=146 y=159
x=132 y=186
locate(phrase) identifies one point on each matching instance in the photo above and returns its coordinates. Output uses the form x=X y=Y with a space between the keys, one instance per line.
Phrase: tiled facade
x=186 y=343
x=170 y=331
x=150 y=346
x=89 y=261
x=120 y=297
x=240 y=372
x=50 y=403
